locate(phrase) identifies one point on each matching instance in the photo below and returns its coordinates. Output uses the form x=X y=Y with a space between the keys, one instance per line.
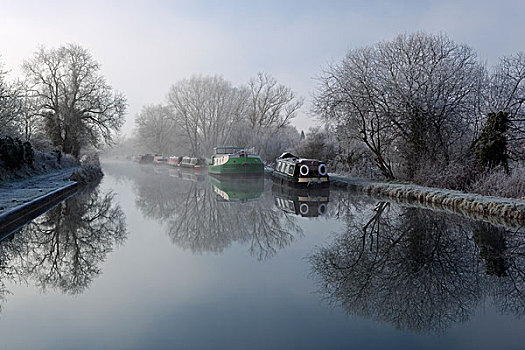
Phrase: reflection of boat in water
x=308 y=202
x=160 y=170
x=190 y=174
x=145 y=159
x=238 y=189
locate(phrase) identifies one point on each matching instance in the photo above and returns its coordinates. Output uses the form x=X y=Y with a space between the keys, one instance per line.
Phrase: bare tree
x=410 y=101
x=207 y=109
x=156 y=130
x=10 y=106
x=272 y=105
x=507 y=94
x=29 y=120
x=78 y=106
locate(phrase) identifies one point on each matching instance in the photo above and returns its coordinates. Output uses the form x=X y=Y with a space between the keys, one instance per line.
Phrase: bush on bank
x=20 y=160
x=89 y=171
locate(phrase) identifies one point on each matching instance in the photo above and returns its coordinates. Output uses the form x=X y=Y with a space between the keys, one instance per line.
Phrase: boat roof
x=293 y=158
x=287 y=155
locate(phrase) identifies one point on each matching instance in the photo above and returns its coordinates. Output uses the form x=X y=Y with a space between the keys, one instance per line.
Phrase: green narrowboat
x=235 y=161
x=300 y=172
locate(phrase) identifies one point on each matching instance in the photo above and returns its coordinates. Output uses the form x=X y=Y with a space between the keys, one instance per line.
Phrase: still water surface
x=156 y=258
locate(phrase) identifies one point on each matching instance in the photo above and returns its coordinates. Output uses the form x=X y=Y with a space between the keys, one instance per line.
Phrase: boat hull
x=296 y=181
x=244 y=169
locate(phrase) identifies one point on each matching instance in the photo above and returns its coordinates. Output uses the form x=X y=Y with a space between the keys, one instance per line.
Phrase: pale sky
x=146 y=46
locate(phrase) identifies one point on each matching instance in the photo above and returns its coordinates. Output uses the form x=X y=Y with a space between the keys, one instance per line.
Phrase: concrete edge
x=17 y=217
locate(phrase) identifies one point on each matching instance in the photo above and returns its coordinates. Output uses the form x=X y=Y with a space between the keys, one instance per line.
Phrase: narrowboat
x=145 y=159
x=300 y=172
x=174 y=161
x=235 y=161
x=193 y=162
x=160 y=159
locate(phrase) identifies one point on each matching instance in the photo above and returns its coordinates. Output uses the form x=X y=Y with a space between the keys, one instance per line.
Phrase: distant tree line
x=424 y=108
x=203 y=112
x=62 y=102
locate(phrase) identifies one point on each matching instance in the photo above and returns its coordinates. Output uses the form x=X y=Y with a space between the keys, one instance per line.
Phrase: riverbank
x=458 y=202
x=23 y=200
x=16 y=193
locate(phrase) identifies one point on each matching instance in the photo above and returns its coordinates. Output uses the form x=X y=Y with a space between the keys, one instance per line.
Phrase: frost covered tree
x=318 y=144
x=78 y=107
x=156 y=130
x=10 y=106
x=491 y=147
x=207 y=109
x=271 y=105
x=411 y=101
x=507 y=94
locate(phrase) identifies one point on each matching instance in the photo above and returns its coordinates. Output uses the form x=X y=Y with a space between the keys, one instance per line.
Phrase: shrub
x=499 y=183
x=15 y=153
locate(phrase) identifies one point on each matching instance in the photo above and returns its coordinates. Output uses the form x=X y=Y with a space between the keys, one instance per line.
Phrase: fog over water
x=161 y=258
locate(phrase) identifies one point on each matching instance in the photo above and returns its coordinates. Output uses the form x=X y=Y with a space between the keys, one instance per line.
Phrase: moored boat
x=145 y=159
x=174 y=160
x=300 y=172
x=160 y=159
x=235 y=161
x=193 y=162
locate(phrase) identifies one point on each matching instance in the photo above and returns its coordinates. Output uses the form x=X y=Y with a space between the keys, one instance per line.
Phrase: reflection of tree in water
x=509 y=290
x=64 y=247
x=196 y=219
x=204 y=223
x=417 y=269
x=8 y=271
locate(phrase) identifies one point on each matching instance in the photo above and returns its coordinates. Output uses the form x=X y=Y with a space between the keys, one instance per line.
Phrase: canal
x=155 y=258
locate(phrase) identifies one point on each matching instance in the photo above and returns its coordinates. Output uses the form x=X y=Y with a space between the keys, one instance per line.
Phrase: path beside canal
x=17 y=193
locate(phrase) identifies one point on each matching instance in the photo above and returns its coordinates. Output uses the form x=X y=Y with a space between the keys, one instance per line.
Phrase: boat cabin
x=174 y=161
x=229 y=160
x=293 y=169
x=160 y=159
x=193 y=162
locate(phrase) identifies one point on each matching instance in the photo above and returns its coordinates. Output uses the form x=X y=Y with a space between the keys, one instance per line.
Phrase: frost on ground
x=15 y=193
x=455 y=200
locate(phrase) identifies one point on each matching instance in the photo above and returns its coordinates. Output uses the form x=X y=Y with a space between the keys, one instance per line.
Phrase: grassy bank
x=456 y=201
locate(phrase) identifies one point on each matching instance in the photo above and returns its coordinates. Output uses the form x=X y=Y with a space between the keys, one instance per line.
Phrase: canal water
x=157 y=258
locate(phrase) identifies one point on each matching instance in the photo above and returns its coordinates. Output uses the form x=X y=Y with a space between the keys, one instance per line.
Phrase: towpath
x=15 y=193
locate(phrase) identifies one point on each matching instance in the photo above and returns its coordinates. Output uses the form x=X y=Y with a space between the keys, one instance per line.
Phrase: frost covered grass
x=457 y=201
x=15 y=193
x=43 y=162
x=498 y=183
